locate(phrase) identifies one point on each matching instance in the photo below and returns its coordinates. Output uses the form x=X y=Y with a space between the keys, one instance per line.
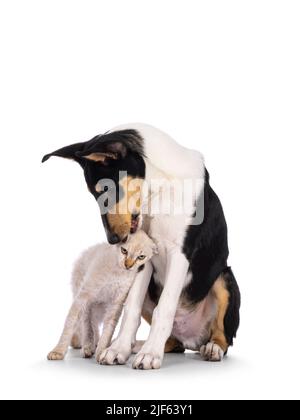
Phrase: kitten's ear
x=125 y=240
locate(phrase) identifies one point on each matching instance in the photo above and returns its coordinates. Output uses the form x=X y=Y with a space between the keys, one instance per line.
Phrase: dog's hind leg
x=226 y=322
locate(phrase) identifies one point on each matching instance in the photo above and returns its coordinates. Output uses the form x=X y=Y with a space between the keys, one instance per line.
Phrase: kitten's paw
x=88 y=351
x=211 y=352
x=55 y=355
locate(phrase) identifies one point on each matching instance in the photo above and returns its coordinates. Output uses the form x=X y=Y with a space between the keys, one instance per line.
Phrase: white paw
x=88 y=351
x=212 y=352
x=114 y=355
x=147 y=359
x=55 y=355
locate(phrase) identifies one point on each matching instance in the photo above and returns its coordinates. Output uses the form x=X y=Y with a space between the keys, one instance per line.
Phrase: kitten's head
x=138 y=249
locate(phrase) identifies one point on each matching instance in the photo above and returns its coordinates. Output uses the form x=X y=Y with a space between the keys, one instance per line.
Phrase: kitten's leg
x=88 y=339
x=77 y=282
x=90 y=329
x=98 y=313
x=77 y=308
x=120 y=350
x=76 y=341
x=110 y=322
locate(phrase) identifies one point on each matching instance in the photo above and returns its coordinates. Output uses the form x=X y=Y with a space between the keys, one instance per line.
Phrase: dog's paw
x=55 y=355
x=146 y=360
x=114 y=355
x=211 y=352
x=88 y=351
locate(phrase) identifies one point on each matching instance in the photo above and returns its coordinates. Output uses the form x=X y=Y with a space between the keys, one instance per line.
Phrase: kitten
x=101 y=280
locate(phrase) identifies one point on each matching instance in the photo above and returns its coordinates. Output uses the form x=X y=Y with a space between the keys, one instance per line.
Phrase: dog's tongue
x=134 y=225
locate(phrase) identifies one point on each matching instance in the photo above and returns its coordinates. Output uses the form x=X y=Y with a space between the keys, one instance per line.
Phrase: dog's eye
x=142 y=257
x=124 y=251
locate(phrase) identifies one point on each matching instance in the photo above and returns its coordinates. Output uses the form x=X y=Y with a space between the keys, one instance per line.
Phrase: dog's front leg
x=151 y=354
x=120 y=349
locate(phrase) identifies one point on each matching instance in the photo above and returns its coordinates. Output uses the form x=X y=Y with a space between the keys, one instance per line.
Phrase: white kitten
x=101 y=280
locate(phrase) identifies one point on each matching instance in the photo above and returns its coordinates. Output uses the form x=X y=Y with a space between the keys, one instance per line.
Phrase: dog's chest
x=168 y=232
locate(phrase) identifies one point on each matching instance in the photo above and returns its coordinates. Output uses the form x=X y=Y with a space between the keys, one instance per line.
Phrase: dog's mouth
x=135 y=218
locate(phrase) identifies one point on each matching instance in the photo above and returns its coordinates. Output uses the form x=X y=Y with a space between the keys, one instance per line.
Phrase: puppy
x=101 y=280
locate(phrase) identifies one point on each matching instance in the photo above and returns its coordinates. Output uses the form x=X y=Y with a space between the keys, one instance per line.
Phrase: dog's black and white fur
x=188 y=293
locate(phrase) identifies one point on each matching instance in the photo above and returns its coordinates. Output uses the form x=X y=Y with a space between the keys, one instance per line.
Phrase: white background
x=222 y=77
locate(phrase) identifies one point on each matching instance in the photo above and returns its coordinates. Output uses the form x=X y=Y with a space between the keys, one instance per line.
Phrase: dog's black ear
x=68 y=152
x=103 y=148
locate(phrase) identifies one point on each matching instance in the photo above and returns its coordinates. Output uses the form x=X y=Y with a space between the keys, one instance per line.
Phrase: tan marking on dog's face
x=222 y=297
x=120 y=216
x=100 y=157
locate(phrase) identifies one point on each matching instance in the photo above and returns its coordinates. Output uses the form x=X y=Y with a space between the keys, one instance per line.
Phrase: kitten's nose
x=129 y=263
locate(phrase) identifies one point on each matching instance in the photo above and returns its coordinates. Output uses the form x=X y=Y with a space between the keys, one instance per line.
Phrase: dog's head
x=114 y=169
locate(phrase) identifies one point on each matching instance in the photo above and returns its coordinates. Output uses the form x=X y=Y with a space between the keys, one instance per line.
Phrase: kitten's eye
x=142 y=257
x=124 y=251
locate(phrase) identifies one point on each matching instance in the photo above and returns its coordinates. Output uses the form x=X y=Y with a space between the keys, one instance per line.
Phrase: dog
x=188 y=294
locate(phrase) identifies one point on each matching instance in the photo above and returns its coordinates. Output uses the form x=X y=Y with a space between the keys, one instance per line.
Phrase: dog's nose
x=113 y=238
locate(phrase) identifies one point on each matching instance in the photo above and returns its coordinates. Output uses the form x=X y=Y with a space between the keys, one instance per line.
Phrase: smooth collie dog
x=187 y=292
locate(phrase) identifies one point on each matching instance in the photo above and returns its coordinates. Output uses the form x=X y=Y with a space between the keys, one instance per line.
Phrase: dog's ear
x=68 y=152
x=95 y=151
x=101 y=152
x=102 y=148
